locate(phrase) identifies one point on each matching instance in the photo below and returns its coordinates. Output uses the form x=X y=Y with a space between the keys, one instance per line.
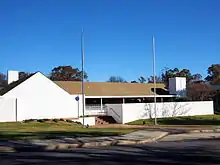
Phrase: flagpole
x=154 y=79
x=82 y=87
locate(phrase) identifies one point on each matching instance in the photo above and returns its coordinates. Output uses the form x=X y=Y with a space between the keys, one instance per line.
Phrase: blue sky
x=37 y=35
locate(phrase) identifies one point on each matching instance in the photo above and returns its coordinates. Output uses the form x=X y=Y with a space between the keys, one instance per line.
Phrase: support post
x=101 y=104
x=154 y=71
x=123 y=100
x=161 y=99
x=16 y=109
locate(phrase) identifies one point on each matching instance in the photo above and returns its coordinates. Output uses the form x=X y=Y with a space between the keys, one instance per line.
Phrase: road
x=203 y=152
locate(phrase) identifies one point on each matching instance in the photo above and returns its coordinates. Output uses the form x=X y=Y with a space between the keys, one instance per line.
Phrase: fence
x=95 y=109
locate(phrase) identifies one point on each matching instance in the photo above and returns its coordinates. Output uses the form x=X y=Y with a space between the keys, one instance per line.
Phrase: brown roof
x=111 y=89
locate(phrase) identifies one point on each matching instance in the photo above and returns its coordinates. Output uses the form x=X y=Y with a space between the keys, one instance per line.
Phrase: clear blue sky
x=37 y=35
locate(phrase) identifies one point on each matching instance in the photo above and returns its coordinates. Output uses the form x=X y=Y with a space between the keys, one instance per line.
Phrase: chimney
x=177 y=86
x=12 y=76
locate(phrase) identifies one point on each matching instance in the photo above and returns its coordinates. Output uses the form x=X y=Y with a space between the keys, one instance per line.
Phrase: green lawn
x=54 y=130
x=187 y=120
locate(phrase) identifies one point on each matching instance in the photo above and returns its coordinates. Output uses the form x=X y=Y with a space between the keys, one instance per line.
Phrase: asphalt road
x=162 y=153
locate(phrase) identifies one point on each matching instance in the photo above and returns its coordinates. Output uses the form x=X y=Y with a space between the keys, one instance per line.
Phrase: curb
x=66 y=146
x=106 y=143
x=6 y=149
x=204 y=131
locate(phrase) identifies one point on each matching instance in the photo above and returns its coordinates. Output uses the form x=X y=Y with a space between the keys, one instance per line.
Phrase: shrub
x=45 y=120
x=55 y=120
x=84 y=116
x=69 y=121
x=40 y=120
x=29 y=120
x=77 y=122
x=62 y=120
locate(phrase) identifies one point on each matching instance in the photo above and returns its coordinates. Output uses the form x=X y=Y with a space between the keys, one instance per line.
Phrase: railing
x=115 y=112
x=95 y=109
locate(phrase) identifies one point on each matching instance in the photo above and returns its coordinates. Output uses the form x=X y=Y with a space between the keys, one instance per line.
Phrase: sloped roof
x=111 y=89
x=14 y=84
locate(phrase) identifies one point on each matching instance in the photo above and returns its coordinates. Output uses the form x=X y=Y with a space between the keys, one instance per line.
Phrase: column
x=101 y=104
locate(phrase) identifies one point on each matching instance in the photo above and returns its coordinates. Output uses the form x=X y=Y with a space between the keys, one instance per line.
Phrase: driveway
x=195 y=152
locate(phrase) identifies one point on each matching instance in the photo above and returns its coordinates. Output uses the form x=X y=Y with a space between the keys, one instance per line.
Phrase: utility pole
x=82 y=87
x=154 y=70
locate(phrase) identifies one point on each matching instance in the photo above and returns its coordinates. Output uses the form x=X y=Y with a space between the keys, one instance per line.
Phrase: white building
x=37 y=97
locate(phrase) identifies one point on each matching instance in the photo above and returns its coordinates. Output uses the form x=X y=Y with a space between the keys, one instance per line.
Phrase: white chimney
x=177 y=86
x=12 y=76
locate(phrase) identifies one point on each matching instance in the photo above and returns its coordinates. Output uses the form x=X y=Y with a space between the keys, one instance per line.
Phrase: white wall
x=79 y=105
x=135 y=111
x=177 y=86
x=38 y=97
x=12 y=76
x=7 y=109
x=115 y=110
x=87 y=120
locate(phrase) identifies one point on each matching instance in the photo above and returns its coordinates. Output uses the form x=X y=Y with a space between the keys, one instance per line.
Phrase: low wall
x=135 y=111
x=7 y=109
x=87 y=120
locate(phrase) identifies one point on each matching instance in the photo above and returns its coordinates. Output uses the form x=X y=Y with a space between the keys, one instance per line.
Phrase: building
x=37 y=97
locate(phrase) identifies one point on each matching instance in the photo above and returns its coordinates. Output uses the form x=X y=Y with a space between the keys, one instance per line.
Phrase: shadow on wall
x=170 y=109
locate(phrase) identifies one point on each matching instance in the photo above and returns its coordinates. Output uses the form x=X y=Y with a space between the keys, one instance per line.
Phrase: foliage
x=24 y=75
x=55 y=120
x=67 y=73
x=84 y=116
x=157 y=79
x=170 y=73
x=3 y=80
x=116 y=79
x=200 y=91
x=142 y=79
x=186 y=120
x=214 y=74
x=30 y=120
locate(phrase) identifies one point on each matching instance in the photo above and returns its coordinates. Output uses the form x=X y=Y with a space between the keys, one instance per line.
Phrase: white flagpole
x=82 y=58
x=154 y=70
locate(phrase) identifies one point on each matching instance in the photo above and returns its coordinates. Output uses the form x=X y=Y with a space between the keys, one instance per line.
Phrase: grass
x=37 y=130
x=186 y=120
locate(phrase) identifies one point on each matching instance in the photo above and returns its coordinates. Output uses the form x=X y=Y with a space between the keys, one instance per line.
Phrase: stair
x=105 y=120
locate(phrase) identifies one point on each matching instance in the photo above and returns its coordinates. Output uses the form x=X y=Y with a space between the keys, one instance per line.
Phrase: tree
x=116 y=79
x=200 y=91
x=23 y=75
x=142 y=79
x=3 y=80
x=196 y=77
x=214 y=74
x=67 y=73
x=157 y=79
x=169 y=73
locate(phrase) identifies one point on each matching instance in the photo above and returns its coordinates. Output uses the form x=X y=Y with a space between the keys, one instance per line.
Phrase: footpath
x=139 y=137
